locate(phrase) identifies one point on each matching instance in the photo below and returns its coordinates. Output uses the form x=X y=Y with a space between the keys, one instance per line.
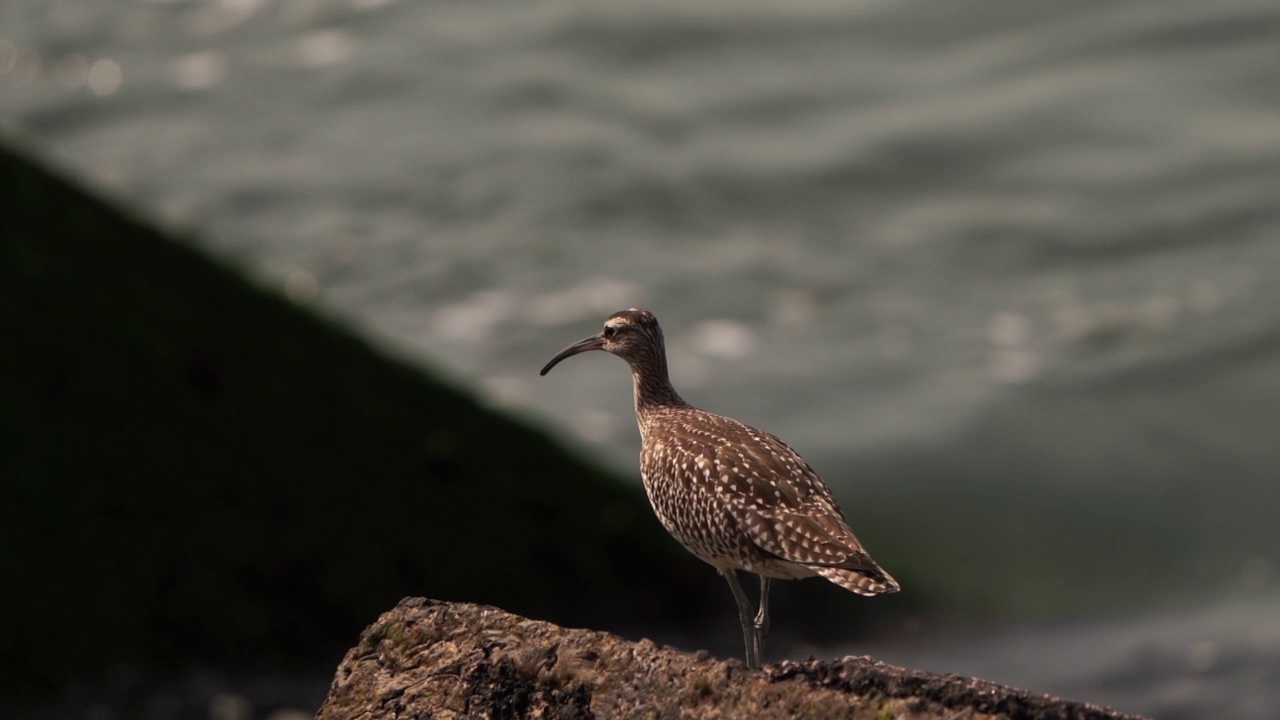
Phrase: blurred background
x=1003 y=272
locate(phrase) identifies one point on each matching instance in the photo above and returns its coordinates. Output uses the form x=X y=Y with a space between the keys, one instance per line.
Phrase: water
x=1003 y=271
x=1211 y=662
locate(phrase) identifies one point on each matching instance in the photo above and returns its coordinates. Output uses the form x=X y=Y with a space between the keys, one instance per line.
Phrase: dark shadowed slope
x=196 y=470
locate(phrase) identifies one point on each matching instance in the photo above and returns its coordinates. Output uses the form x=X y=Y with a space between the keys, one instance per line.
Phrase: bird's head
x=632 y=335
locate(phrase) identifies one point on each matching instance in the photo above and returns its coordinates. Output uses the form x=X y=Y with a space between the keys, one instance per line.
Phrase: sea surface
x=1005 y=272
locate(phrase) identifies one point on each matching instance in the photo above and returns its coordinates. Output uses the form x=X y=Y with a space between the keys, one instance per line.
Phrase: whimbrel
x=736 y=497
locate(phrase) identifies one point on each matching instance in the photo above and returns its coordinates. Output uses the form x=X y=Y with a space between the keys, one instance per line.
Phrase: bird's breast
x=681 y=491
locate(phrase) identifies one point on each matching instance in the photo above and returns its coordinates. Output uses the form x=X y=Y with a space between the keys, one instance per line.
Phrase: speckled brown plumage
x=742 y=499
x=736 y=497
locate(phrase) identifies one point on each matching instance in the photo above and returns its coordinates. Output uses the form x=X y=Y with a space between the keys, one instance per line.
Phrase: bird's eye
x=610 y=331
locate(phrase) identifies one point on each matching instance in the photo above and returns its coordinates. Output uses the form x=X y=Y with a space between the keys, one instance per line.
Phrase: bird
x=738 y=498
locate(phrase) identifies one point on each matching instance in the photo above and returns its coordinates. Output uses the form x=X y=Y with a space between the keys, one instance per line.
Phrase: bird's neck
x=653 y=391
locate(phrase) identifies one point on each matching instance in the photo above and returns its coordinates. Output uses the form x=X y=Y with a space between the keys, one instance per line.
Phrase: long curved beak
x=595 y=342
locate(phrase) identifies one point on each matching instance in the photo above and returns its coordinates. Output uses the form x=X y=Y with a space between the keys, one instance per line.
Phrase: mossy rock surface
x=426 y=658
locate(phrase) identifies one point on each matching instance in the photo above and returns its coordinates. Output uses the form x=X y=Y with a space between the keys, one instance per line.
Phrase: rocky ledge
x=432 y=659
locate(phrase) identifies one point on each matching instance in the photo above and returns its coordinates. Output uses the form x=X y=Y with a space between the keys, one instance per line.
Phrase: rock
x=433 y=659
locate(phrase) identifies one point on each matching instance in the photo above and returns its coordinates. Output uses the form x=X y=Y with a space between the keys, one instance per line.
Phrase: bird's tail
x=863 y=581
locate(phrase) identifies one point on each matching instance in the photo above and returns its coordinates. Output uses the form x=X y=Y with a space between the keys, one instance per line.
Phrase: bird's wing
x=782 y=504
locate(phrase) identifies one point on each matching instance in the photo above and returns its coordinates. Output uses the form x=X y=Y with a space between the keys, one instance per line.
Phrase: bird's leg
x=761 y=624
x=749 y=636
